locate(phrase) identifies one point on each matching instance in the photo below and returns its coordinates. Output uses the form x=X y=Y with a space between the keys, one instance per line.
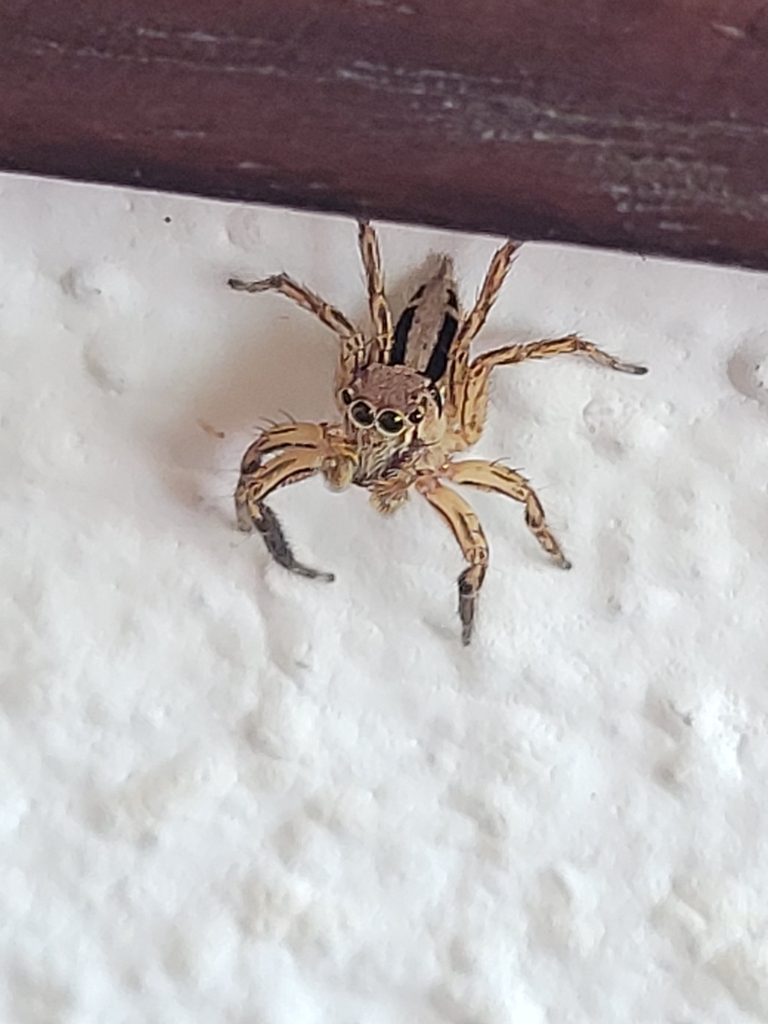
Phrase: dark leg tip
x=307 y=572
x=249 y=286
x=467 y=616
x=565 y=564
x=269 y=527
x=638 y=371
x=468 y=601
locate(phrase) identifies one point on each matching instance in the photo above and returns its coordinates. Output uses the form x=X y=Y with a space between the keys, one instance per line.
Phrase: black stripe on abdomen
x=397 y=355
x=438 y=361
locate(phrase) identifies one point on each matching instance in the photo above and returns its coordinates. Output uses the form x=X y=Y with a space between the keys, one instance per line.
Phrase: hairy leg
x=571 y=344
x=494 y=279
x=380 y=313
x=293 y=452
x=469 y=534
x=353 y=347
x=491 y=476
x=472 y=405
x=305 y=298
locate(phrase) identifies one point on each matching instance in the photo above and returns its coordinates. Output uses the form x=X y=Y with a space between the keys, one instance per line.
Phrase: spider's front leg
x=293 y=452
x=469 y=533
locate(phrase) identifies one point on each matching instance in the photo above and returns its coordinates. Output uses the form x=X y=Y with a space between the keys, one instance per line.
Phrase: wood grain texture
x=642 y=126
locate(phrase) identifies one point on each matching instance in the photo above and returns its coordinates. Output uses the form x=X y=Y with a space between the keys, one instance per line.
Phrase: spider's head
x=392 y=406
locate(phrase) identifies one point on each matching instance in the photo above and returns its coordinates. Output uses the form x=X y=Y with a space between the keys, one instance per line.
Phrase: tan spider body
x=409 y=400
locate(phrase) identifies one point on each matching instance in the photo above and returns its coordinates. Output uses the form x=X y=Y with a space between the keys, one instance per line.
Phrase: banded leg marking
x=301 y=295
x=380 y=312
x=467 y=530
x=491 y=476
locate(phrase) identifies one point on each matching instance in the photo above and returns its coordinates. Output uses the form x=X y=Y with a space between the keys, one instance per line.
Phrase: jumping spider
x=409 y=400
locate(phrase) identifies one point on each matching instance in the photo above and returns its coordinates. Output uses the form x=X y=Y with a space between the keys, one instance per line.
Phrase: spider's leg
x=353 y=346
x=335 y=453
x=294 y=452
x=569 y=345
x=494 y=279
x=469 y=533
x=291 y=466
x=491 y=476
x=473 y=395
x=278 y=436
x=380 y=313
x=305 y=298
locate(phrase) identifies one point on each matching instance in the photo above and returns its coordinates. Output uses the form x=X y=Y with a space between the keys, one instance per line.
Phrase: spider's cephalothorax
x=391 y=413
x=409 y=400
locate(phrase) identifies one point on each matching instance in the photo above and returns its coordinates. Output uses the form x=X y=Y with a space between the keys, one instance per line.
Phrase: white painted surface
x=233 y=795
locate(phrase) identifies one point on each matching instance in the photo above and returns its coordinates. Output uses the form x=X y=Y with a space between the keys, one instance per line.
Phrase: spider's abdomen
x=428 y=325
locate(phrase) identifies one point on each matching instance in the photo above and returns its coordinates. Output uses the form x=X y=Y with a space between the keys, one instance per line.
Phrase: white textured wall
x=233 y=796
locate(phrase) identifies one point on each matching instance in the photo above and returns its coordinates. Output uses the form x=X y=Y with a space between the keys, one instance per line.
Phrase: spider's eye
x=416 y=416
x=362 y=414
x=346 y=396
x=389 y=422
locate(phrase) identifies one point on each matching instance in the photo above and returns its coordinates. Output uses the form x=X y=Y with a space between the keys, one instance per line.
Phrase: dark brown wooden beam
x=638 y=124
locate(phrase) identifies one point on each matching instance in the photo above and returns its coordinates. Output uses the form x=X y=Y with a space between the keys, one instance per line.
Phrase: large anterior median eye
x=389 y=422
x=362 y=414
